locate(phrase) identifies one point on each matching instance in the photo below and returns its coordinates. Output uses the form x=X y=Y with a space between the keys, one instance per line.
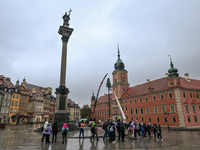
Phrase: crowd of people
x=47 y=128
x=135 y=131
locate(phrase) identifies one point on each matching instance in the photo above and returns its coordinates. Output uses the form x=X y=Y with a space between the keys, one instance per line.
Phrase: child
x=64 y=132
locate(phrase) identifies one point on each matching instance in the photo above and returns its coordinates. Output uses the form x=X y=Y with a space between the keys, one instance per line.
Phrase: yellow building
x=19 y=105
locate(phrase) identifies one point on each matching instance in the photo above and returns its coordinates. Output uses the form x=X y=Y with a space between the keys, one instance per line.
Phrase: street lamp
x=166 y=115
x=108 y=85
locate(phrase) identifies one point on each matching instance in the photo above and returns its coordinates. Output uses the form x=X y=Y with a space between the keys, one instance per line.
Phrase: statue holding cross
x=66 y=18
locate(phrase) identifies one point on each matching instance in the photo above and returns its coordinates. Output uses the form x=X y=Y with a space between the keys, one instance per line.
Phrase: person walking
x=43 y=132
x=47 y=132
x=64 y=130
x=94 y=130
x=137 y=130
x=144 y=130
x=112 y=132
x=81 y=129
x=148 y=129
x=105 y=126
x=55 y=129
x=154 y=129
x=159 y=133
x=122 y=130
x=132 y=128
x=118 y=129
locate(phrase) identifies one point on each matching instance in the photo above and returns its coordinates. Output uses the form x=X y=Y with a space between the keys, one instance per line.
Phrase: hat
x=113 y=122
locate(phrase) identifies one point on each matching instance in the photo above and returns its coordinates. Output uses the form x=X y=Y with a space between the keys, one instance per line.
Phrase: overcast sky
x=147 y=32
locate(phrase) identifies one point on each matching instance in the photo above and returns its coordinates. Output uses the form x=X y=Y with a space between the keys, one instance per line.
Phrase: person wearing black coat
x=55 y=129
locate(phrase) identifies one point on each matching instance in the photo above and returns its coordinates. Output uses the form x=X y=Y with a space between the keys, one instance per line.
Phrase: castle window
x=16 y=104
x=130 y=101
x=13 y=95
x=147 y=110
x=126 y=107
x=158 y=119
x=186 y=108
x=163 y=108
x=154 y=97
x=155 y=109
x=195 y=118
x=184 y=95
x=189 y=119
x=140 y=99
x=170 y=95
x=131 y=111
x=172 y=108
x=142 y=119
x=161 y=96
x=135 y=101
x=141 y=110
x=136 y=112
x=146 y=98
x=149 y=119
x=190 y=95
x=193 y=108
x=115 y=111
x=165 y=119
x=174 y=119
x=197 y=95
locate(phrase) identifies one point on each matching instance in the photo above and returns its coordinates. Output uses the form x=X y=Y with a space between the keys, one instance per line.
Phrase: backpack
x=122 y=128
x=108 y=128
x=111 y=129
x=137 y=127
x=65 y=131
x=93 y=129
x=47 y=129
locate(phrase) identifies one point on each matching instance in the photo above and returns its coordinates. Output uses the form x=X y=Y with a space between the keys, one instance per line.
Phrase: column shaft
x=63 y=64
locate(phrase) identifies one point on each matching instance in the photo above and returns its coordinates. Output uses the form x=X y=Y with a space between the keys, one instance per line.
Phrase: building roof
x=159 y=85
x=72 y=104
x=31 y=86
x=103 y=99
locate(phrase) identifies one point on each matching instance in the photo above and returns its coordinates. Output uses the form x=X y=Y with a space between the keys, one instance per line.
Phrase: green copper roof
x=119 y=65
x=172 y=71
x=93 y=97
x=17 y=82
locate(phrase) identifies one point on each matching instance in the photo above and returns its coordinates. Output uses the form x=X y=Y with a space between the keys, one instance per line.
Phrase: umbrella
x=83 y=119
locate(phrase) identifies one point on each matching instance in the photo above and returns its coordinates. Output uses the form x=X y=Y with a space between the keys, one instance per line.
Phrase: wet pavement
x=24 y=137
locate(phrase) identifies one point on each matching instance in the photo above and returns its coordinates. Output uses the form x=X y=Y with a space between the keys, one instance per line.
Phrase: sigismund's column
x=61 y=114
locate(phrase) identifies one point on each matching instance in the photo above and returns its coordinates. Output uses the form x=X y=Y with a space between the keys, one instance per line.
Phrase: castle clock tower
x=120 y=78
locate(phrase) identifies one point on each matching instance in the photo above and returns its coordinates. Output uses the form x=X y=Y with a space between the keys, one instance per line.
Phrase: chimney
x=8 y=79
x=187 y=77
x=166 y=75
x=148 y=80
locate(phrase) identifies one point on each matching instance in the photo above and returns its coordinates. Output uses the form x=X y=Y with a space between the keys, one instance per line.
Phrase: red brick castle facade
x=178 y=97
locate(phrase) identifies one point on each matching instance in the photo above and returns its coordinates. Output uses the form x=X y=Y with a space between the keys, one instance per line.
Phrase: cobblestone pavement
x=24 y=137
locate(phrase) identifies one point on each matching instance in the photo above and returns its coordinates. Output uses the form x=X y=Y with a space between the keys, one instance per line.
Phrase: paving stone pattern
x=24 y=137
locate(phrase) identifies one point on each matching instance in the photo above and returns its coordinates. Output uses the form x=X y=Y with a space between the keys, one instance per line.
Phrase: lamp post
x=108 y=85
x=166 y=115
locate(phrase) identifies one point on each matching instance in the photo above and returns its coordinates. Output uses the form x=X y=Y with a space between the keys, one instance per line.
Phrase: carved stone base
x=61 y=118
x=64 y=118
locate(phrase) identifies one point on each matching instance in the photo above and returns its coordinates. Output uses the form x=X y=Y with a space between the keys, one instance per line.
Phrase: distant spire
x=93 y=97
x=172 y=71
x=171 y=64
x=118 y=50
x=17 y=82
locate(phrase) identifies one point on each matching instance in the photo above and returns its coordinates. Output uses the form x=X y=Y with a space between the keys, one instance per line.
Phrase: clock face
x=123 y=76
x=115 y=76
